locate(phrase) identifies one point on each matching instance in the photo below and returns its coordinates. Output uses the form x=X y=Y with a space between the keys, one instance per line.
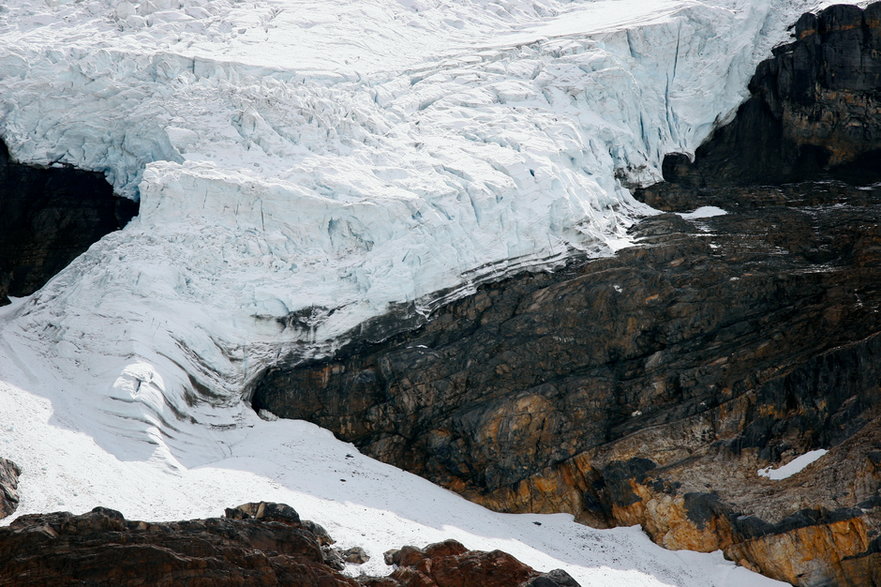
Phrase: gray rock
x=9 y=473
x=355 y=555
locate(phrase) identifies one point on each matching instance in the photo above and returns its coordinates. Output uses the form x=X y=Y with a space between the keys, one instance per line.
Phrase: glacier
x=326 y=159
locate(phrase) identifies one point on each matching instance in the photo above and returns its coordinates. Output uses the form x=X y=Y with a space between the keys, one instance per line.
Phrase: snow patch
x=703 y=212
x=794 y=466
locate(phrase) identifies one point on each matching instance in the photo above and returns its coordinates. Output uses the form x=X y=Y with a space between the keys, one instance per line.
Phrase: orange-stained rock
x=449 y=564
x=650 y=387
x=815 y=552
x=258 y=543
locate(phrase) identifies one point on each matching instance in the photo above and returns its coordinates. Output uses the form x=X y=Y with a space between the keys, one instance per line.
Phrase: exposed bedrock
x=254 y=544
x=9 y=473
x=49 y=216
x=651 y=387
x=814 y=112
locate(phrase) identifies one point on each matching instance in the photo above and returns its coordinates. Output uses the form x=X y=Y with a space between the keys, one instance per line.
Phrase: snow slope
x=359 y=500
x=328 y=157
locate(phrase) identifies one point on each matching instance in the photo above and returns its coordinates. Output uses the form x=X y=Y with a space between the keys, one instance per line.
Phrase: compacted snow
x=328 y=158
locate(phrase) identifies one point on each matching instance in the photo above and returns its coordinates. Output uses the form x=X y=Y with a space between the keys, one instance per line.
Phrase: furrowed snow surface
x=332 y=157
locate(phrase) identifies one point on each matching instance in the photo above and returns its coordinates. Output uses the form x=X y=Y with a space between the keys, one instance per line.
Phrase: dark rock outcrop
x=49 y=216
x=255 y=544
x=649 y=387
x=102 y=548
x=9 y=473
x=814 y=112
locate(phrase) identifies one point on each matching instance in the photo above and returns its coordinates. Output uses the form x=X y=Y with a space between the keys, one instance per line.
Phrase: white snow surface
x=333 y=157
x=703 y=212
x=794 y=466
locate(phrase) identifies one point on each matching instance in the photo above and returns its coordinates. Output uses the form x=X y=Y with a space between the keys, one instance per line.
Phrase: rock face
x=9 y=473
x=814 y=110
x=651 y=387
x=102 y=548
x=255 y=544
x=49 y=216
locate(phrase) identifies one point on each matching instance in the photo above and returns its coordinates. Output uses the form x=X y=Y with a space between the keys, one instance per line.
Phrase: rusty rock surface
x=260 y=543
x=651 y=387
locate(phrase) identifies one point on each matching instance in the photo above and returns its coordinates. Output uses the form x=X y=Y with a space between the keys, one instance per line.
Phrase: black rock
x=814 y=113
x=49 y=216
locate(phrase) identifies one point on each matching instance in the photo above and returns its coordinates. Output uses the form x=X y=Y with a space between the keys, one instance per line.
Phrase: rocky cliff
x=652 y=387
x=48 y=216
x=253 y=544
x=9 y=473
x=814 y=110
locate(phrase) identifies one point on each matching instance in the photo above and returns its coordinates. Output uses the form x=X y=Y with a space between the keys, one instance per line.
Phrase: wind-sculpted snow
x=326 y=159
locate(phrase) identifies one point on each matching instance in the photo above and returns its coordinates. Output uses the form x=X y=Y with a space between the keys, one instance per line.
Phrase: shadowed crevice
x=48 y=217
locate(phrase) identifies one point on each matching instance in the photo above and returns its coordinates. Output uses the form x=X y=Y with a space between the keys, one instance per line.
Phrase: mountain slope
x=300 y=166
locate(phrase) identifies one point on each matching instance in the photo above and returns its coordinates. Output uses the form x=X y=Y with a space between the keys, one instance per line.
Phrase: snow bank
x=360 y=501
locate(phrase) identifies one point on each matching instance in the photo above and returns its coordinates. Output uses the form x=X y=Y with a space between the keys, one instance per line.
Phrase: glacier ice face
x=333 y=156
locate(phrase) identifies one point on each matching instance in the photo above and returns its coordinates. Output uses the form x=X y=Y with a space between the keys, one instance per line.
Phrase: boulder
x=103 y=548
x=449 y=564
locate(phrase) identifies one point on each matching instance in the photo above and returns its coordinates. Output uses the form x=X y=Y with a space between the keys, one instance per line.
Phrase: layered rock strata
x=649 y=387
x=652 y=387
x=254 y=544
x=49 y=216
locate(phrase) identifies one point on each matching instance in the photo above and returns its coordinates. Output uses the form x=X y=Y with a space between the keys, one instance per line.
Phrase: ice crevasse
x=331 y=158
